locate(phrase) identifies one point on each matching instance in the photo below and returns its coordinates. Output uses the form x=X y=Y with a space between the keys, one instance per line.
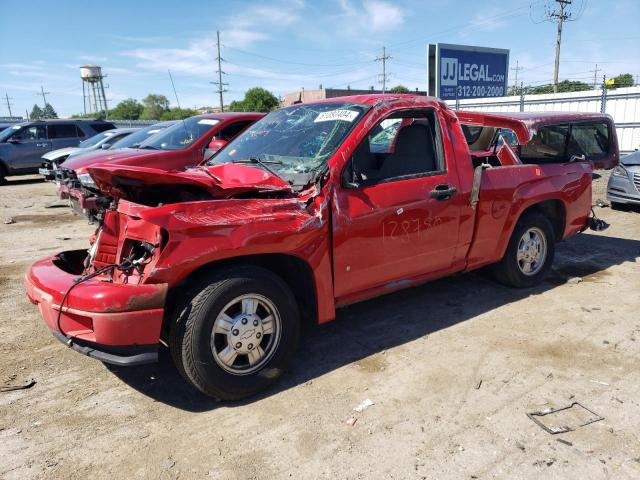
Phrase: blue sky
x=283 y=45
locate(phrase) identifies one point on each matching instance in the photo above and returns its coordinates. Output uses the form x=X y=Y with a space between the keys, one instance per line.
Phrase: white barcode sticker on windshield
x=345 y=115
x=208 y=121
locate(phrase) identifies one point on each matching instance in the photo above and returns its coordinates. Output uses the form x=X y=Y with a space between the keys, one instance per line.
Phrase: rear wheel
x=529 y=254
x=236 y=333
x=3 y=175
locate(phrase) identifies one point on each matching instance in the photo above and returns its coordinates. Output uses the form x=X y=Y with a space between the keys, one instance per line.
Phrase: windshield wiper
x=148 y=147
x=262 y=163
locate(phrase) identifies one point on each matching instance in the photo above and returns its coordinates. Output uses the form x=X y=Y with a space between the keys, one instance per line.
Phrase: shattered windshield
x=294 y=140
x=180 y=135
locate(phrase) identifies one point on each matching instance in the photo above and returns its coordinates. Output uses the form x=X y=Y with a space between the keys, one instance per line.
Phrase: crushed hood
x=156 y=185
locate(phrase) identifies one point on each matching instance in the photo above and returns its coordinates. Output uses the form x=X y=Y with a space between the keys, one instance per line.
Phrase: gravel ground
x=452 y=368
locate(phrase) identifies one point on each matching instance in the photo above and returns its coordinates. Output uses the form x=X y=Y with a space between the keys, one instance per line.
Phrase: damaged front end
x=109 y=302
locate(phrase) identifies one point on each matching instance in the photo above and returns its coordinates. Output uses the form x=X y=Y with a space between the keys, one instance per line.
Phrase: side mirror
x=216 y=145
x=106 y=146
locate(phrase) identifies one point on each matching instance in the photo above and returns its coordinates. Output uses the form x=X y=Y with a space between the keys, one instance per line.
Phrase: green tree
x=49 y=112
x=36 y=112
x=399 y=89
x=154 y=106
x=236 y=106
x=255 y=100
x=622 y=80
x=129 y=109
x=563 y=86
x=178 y=113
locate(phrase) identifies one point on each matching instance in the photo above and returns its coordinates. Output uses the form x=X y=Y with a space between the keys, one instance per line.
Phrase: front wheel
x=529 y=254
x=237 y=333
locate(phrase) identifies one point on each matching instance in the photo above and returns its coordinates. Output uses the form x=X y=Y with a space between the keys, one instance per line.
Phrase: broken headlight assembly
x=136 y=254
x=86 y=180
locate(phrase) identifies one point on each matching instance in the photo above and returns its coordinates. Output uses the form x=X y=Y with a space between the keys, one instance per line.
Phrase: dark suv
x=23 y=144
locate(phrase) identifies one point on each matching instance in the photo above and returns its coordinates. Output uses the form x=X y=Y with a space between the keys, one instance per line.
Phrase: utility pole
x=6 y=96
x=515 y=83
x=561 y=15
x=44 y=98
x=220 y=83
x=383 y=59
x=595 y=75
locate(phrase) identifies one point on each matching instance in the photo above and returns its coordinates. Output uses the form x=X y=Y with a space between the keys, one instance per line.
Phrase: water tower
x=93 y=89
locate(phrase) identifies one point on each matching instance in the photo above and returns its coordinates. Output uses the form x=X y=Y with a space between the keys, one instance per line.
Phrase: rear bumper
x=116 y=323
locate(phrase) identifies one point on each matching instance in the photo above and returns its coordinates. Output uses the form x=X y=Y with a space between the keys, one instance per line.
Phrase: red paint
x=358 y=243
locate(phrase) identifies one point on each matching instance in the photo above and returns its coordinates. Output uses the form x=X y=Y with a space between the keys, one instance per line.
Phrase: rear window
x=102 y=126
x=548 y=145
x=559 y=143
x=589 y=140
x=62 y=130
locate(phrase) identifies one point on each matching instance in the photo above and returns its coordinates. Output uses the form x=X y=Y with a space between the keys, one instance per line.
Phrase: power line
x=296 y=63
x=220 y=83
x=7 y=98
x=383 y=59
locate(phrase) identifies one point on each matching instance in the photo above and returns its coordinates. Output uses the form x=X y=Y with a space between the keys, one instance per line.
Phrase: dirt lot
x=452 y=367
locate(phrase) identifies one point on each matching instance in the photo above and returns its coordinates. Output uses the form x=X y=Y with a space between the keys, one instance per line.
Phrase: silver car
x=103 y=140
x=624 y=182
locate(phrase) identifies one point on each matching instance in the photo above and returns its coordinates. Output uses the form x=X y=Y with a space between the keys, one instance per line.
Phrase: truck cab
x=314 y=207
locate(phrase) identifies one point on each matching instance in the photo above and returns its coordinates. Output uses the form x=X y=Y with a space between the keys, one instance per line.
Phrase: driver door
x=30 y=144
x=398 y=216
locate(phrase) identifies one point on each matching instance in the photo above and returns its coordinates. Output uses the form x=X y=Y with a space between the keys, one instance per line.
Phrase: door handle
x=443 y=192
x=41 y=144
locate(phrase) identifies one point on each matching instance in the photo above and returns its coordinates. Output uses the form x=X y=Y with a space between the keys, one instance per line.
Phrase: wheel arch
x=293 y=270
x=554 y=210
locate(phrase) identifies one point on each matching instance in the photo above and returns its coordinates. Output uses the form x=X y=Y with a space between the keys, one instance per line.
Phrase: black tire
x=618 y=206
x=3 y=175
x=508 y=271
x=191 y=329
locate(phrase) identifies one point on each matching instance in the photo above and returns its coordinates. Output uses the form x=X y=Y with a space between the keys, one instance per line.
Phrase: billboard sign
x=463 y=72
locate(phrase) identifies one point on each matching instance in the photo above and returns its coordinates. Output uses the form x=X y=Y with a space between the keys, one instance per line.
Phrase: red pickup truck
x=315 y=206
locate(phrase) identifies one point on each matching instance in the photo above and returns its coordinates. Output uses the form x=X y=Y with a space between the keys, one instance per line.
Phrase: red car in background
x=186 y=143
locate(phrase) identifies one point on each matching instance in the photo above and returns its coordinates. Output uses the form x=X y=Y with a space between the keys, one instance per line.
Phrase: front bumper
x=47 y=173
x=113 y=322
x=624 y=190
x=80 y=203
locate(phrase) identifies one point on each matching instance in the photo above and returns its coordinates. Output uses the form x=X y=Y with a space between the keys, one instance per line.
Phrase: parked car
x=185 y=143
x=624 y=182
x=4 y=126
x=104 y=141
x=141 y=135
x=22 y=145
x=298 y=216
